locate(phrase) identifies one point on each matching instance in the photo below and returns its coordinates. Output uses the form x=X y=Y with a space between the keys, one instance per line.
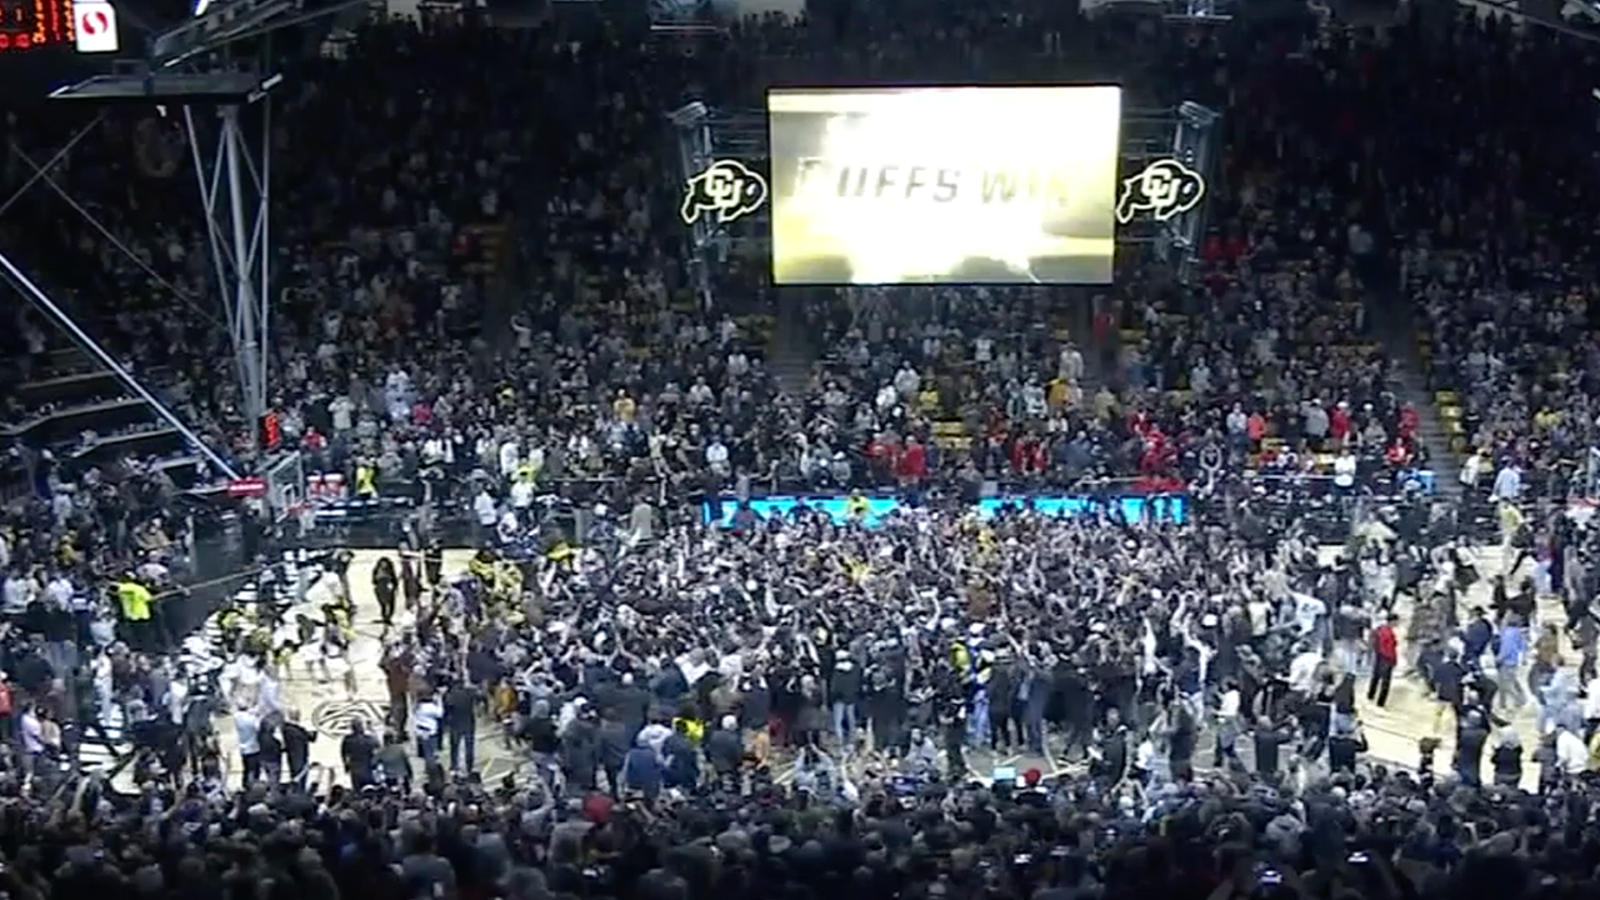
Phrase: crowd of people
x=483 y=289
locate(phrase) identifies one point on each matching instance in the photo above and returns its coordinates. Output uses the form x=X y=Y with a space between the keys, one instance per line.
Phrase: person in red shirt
x=1409 y=420
x=1256 y=429
x=913 y=463
x=1398 y=453
x=881 y=453
x=1385 y=656
x=1339 y=423
x=1027 y=455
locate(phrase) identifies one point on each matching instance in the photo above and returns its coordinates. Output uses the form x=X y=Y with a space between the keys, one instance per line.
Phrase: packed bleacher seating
x=481 y=277
x=1494 y=258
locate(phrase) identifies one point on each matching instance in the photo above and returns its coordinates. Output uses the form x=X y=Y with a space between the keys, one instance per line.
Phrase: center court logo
x=1164 y=189
x=332 y=718
x=727 y=188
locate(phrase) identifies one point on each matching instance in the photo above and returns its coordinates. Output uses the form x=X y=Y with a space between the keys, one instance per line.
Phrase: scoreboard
x=36 y=24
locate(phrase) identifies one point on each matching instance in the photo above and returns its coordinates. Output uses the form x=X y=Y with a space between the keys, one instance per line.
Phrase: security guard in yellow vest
x=134 y=599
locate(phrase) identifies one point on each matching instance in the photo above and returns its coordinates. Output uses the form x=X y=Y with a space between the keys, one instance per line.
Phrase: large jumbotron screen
x=944 y=184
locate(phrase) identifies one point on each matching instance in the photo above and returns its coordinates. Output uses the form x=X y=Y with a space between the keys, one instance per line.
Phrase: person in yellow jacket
x=691 y=728
x=856 y=506
x=366 y=481
x=134 y=600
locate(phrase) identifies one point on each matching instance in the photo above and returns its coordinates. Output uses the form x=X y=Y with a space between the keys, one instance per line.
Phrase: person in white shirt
x=509 y=527
x=1228 y=705
x=60 y=591
x=1471 y=471
x=907 y=381
x=1571 y=755
x=1344 y=470
x=425 y=719
x=101 y=677
x=653 y=736
x=1508 y=483
x=152 y=572
x=32 y=736
x=1591 y=706
x=247 y=727
x=700 y=393
x=486 y=512
x=343 y=412
x=510 y=458
x=17 y=594
x=1260 y=613
x=522 y=491
x=1303 y=670
x=61 y=508
x=717 y=457
x=103 y=628
x=177 y=701
x=269 y=699
x=1308 y=611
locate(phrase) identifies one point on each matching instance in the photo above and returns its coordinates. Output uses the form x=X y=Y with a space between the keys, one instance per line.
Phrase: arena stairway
x=1077 y=324
x=71 y=396
x=790 y=351
x=1439 y=426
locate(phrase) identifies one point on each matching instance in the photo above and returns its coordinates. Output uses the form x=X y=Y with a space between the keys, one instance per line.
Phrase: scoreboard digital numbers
x=35 y=24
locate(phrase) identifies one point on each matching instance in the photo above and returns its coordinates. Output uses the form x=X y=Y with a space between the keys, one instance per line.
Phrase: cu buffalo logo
x=1164 y=189
x=727 y=189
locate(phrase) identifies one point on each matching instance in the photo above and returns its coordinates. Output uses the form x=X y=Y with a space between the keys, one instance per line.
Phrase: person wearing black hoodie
x=613 y=743
x=1470 y=740
x=357 y=751
x=1185 y=735
x=725 y=747
x=385 y=586
x=1109 y=752
x=1507 y=759
x=1003 y=727
x=297 y=748
x=580 y=751
x=844 y=692
x=461 y=726
x=755 y=702
x=683 y=760
x=1269 y=740
x=1345 y=743
x=410 y=582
